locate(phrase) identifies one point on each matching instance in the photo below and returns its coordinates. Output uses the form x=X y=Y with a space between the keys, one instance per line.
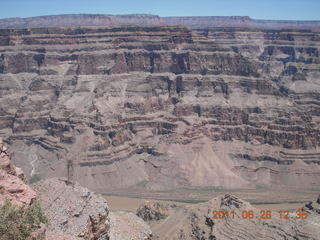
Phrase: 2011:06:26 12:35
x=262 y=214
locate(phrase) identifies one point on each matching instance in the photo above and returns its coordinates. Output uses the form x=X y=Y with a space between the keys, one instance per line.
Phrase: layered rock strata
x=163 y=107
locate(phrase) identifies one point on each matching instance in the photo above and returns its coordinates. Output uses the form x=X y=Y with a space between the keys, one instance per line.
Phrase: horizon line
x=156 y=15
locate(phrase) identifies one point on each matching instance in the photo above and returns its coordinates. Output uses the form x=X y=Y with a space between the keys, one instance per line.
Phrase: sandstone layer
x=163 y=107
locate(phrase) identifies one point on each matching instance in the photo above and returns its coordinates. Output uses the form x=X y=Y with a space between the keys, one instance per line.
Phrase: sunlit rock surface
x=163 y=107
x=196 y=221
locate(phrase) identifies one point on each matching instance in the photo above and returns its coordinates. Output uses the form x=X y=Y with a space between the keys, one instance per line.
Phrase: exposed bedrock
x=203 y=221
x=163 y=107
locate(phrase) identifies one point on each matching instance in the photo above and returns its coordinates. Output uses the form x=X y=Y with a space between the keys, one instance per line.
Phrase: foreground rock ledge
x=73 y=210
x=127 y=226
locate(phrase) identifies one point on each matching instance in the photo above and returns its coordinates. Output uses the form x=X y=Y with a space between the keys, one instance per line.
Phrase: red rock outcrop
x=13 y=185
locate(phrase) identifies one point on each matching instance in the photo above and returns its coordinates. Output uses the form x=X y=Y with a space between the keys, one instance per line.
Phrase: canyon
x=74 y=212
x=157 y=107
x=59 y=209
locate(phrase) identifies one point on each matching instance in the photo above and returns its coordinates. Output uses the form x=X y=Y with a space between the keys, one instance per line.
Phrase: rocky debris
x=73 y=210
x=12 y=182
x=197 y=222
x=231 y=201
x=152 y=211
x=127 y=226
x=39 y=234
x=57 y=236
x=14 y=189
x=313 y=207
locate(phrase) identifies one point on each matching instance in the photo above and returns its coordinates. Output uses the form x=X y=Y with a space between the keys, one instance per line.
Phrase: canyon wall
x=163 y=107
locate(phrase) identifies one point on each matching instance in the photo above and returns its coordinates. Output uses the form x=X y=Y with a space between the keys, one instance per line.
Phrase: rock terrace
x=164 y=106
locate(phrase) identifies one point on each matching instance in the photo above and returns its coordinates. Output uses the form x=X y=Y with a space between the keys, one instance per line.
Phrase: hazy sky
x=259 y=9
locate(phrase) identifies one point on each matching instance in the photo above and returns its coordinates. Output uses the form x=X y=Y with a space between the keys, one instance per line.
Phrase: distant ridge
x=238 y=21
x=77 y=20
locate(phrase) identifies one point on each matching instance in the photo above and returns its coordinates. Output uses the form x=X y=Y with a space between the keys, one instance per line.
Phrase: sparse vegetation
x=18 y=222
x=34 y=178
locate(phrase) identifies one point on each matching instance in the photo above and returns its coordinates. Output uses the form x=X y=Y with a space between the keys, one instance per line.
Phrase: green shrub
x=17 y=223
x=34 y=178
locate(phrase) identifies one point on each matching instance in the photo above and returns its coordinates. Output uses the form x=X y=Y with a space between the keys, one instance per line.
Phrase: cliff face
x=163 y=107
